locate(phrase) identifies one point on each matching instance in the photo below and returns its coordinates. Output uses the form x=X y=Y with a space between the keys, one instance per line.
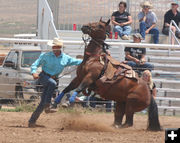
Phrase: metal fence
x=84 y=11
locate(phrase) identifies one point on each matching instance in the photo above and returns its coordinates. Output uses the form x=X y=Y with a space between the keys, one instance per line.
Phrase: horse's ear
x=100 y=19
x=107 y=23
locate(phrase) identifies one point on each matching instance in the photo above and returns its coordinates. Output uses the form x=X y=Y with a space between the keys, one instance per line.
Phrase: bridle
x=98 y=42
x=101 y=44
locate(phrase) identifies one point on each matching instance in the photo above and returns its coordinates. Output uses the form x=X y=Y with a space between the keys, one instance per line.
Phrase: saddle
x=114 y=71
x=115 y=68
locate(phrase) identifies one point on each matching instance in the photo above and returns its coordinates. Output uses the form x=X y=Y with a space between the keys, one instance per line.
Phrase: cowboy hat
x=146 y=3
x=55 y=42
x=175 y=2
x=137 y=35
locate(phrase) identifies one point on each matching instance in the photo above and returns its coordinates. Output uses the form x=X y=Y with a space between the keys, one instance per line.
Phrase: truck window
x=29 y=57
x=11 y=60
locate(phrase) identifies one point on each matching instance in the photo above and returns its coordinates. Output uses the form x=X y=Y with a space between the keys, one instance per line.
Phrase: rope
x=66 y=73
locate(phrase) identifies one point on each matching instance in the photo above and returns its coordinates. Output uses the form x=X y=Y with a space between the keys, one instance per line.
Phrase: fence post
x=128 y=5
x=54 y=5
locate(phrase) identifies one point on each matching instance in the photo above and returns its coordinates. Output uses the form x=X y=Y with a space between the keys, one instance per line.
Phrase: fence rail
x=114 y=43
x=172 y=34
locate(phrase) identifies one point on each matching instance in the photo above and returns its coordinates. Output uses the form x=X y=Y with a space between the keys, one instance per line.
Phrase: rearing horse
x=130 y=96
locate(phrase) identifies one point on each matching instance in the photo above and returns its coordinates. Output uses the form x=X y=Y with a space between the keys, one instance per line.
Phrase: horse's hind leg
x=119 y=113
x=130 y=105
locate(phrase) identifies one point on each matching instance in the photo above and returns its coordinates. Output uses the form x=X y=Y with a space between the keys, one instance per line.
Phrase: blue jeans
x=145 y=66
x=94 y=102
x=153 y=31
x=49 y=86
x=122 y=30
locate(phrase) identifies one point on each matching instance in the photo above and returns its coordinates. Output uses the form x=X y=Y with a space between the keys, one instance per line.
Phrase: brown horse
x=130 y=95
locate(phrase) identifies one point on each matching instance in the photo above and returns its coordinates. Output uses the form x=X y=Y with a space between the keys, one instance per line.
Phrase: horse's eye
x=100 y=26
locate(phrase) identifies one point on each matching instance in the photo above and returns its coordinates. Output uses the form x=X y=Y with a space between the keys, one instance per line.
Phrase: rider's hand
x=137 y=61
x=121 y=24
x=147 y=31
x=124 y=62
x=35 y=75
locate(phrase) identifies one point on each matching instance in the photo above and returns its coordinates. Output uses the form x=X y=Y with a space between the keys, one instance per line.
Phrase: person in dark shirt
x=135 y=57
x=121 y=21
x=172 y=14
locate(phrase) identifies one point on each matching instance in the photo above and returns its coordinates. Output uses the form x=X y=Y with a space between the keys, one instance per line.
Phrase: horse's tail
x=153 y=118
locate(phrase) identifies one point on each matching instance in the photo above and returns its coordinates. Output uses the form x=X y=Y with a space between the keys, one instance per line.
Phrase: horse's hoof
x=126 y=126
x=116 y=126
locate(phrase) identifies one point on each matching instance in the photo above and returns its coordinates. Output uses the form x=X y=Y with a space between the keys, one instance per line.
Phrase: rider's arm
x=113 y=21
x=129 y=21
x=167 y=19
x=143 y=59
x=35 y=65
x=154 y=90
x=152 y=26
x=131 y=58
x=142 y=16
x=73 y=61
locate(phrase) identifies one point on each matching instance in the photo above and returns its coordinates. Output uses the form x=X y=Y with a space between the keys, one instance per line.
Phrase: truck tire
x=19 y=92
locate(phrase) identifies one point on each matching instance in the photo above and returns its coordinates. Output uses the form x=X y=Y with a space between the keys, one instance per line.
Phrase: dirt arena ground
x=78 y=128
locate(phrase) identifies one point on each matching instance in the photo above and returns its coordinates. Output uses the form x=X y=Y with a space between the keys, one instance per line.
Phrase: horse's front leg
x=86 y=82
x=74 y=84
x=119 y=113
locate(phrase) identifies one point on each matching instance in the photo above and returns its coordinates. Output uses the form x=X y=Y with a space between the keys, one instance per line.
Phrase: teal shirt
x=53 y=65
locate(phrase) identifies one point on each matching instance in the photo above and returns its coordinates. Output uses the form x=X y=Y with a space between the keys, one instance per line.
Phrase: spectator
x=97 y=100
x=172 y=14
x=146 y=76
x=121 y=21
x=52 y=64
x=148 y=22
x=135 y=57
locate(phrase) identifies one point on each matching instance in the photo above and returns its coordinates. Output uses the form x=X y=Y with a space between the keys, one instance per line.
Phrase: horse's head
x=97 y=30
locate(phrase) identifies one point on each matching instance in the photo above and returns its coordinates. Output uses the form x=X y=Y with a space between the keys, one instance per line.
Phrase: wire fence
x=80 y=12
x=117 y=51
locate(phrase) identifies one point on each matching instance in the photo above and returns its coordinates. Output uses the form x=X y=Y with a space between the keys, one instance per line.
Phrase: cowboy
x=52 y=64
x=135 y=57
x=172 y=14
x=148 y=22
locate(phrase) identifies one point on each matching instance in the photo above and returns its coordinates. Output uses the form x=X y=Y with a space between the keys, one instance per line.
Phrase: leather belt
x=52 y=76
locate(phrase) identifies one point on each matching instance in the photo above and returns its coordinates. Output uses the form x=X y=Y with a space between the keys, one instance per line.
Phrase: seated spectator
x=135 y=57
x=95 y=100
x=172 y=14
x=121 y=21
x=146 y=76
x=148 y=22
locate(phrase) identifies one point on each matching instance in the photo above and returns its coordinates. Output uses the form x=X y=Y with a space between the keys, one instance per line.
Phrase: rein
x=104 y=45
x=66 y=73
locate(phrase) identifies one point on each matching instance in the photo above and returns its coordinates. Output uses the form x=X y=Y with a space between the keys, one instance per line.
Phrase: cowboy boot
x=47 y=109
x=53 y=105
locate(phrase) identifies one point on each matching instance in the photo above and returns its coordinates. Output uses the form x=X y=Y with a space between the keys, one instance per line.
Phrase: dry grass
x=17 y=16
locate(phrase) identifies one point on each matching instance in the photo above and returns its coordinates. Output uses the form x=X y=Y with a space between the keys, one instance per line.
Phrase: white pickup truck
x=15 y=77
